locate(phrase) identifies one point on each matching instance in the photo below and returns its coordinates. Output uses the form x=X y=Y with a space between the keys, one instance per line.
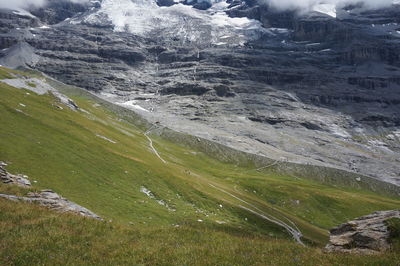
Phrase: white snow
x=222 y=20
x=22 y=12
x=132 y=104
x=328 y=9
x=180 y=22
x=313 y=44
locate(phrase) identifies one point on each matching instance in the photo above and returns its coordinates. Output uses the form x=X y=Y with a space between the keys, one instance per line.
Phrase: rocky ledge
x=7 y=178
x=46 y=198
x=53 y=201
x=365 y=235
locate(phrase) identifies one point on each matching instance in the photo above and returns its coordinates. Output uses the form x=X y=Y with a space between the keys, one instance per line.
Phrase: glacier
x=178 y=23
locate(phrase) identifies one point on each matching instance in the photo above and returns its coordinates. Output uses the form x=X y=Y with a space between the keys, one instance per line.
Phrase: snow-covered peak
x=178 y=22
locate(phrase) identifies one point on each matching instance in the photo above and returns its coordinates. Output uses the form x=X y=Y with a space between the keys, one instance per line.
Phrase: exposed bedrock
x=365 y=235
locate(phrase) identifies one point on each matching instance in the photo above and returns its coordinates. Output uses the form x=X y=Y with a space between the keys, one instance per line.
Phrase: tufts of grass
x=6 y=73
x=31 y=235
x=393 y=225
x=33 y=85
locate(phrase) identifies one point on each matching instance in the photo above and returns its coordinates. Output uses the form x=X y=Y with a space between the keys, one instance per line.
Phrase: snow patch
x=22 y=12
x=328 y=9
x=132 y=105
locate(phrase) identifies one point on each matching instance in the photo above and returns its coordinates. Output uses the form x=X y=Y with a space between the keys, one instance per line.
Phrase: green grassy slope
x=102 y=162
x=31 y=235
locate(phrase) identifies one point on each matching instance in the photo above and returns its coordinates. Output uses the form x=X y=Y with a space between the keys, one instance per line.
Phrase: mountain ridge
x=276 y=94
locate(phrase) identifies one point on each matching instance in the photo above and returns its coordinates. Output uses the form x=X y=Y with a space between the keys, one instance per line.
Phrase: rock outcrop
x=46 y=198
x=7 y=178
x=365 y=235
x=53 y=201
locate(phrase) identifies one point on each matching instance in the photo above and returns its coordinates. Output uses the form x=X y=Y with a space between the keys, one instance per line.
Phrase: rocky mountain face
x=321 y=87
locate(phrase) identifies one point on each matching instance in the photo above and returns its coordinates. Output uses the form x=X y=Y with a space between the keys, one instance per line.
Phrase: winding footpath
x=292 y=229
x=151 y=145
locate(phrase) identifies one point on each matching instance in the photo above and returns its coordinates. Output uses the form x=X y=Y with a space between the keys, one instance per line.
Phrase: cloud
x=301 y=5
x=306 y=5
x=20 y=3
x=12 y=4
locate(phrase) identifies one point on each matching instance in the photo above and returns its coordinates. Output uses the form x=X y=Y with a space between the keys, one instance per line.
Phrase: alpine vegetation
x=199 y=132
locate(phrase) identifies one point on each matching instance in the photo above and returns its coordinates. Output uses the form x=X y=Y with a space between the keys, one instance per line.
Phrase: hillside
x=32 y=236
x=319 y=86
x=163 y=201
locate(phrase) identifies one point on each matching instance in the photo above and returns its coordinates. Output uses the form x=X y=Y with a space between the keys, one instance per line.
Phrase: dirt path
x=293 y=230
x=264 y=167
x=152 y=147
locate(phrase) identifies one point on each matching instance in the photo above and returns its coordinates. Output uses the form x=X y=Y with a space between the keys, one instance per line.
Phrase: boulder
x=365 y=235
